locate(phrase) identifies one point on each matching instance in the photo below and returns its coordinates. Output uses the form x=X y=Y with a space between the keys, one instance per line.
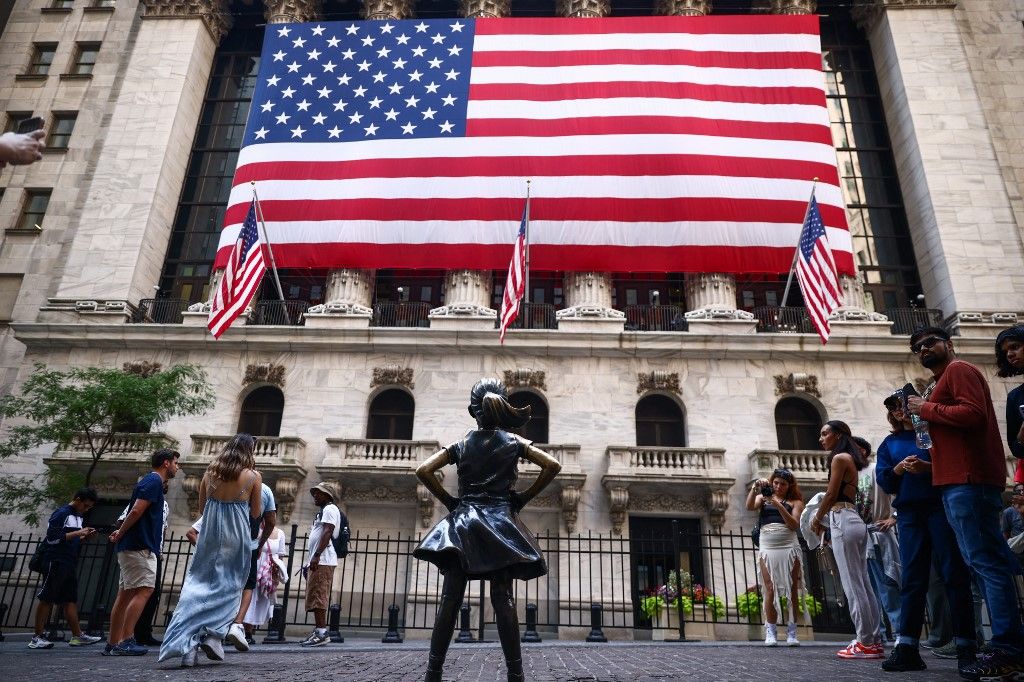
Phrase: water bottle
x=921 y=435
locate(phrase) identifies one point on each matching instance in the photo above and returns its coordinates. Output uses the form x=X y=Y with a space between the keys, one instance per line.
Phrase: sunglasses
x=926 y=343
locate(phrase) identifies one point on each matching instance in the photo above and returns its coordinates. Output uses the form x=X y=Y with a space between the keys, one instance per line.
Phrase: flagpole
x=270 y=251
x=526 y=247
x=792 y=267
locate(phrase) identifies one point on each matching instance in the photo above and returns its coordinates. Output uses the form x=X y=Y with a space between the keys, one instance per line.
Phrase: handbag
x=39 y=561
x=755 y=534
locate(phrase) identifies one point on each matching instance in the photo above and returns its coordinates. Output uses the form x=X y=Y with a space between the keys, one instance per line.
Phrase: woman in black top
x=779 y=555
x=482 y=536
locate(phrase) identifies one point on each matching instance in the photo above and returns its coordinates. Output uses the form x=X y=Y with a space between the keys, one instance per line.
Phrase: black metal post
x=3 y=612
x=333 y=622
x=275 y=633
x=392 y=636
x=530 y=634
x=290 y=574
x=465 y=634
x=596 y=633
x=680 y=616
x=97 y=619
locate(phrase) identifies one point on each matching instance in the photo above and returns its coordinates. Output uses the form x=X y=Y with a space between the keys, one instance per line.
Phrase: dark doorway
x=536 y=429
x=391 y=416
x=659 y=423
x=658 y=548
x=261 y=412
x=797 y=424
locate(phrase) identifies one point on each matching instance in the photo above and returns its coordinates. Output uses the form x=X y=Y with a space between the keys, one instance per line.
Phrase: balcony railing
x=779 y=320
x=906 y=320
x=121 y=445
x=159 y=311
x=567 y=455
x=666 y=463
x=376 y=455
x=404 y=314
x=532 y=316
x=807 y=466
x=278 y=313
x=269 y=449
x=655 y=318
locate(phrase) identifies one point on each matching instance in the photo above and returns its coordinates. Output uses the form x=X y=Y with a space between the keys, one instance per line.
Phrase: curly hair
x=489 y=405
x=236 y=457
x=845 y=444
x=1015 y=333
x=793 y=491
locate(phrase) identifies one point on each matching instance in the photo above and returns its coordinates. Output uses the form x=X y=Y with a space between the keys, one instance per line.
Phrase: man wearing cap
x=969 y=468
x=319 y=568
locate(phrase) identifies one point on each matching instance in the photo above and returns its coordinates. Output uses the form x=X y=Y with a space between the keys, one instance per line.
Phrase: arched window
x=797 y=424
x=391 y=415
x=659 y=422
x=537 y=428
x=261 y=412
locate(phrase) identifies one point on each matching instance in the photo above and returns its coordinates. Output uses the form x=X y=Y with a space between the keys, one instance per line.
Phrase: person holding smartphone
x=24 y=146
x=64 y=535
x=1010 y=359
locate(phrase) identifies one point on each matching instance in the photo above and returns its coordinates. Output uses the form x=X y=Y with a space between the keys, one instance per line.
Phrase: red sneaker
x=858 y=650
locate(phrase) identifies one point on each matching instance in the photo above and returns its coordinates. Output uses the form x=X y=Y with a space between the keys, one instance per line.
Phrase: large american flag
x=816 y=272
x=242 y=275
x=515 y=283
x=654 y=143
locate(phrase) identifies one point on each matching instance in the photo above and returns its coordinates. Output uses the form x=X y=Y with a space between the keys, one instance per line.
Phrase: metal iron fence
x=405 y=314
x=638 y=584
x=655 y=318
x=159 y=311
x=280 y=313
x=906 y=320
x=532 y=316
x=788 y=320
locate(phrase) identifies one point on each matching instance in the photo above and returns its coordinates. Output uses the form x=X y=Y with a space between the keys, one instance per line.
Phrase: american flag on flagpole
x=242 y=275
x=515 y=284
x=816 y=272
x=664 y=143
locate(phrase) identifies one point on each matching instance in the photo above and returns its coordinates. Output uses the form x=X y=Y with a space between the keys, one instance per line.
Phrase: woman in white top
x=270 y=573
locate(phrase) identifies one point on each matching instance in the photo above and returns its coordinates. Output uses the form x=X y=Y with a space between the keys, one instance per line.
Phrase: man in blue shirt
x=261 y=530
x=138 y=545
x=64 y=534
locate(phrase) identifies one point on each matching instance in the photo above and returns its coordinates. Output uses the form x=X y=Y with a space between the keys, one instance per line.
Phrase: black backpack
x=339 y=540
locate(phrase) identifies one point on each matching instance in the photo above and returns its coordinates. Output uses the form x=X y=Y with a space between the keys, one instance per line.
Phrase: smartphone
x=30 y=125
x=1021 y=410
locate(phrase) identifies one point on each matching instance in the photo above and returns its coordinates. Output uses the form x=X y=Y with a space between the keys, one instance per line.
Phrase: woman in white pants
x=849 y=537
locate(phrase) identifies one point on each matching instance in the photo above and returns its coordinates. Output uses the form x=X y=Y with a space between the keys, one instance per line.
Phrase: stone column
x=124 y=225
x=961 y=221
x=588 y=295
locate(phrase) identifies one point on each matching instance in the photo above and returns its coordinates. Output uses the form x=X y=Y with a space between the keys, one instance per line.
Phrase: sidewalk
x=554 y=661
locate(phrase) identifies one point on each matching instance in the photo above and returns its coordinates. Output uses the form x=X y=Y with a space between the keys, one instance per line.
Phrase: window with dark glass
x=60 y=130
x=103 y=3
x=85 y=59
x=261 y=412
x=14 y=119
x=62 y=4
x=797 y=424
x=659 y=422
x=42 y=59
x=391 y=416
x=33 y=210
x=537 y=428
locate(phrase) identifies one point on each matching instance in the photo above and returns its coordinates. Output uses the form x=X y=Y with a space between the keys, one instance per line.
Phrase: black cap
x=928 y=331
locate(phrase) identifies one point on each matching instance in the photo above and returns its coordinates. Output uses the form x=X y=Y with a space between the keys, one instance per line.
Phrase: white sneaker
x=189 y=659
x=213 y=647
x=236 y=637
x=791 y=639
x=40 y=643
x=770 y=637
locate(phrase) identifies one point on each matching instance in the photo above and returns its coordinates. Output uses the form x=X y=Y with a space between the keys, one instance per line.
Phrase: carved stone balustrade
x=809 y=467
x=380 y=472
x=278 y=459
x=677 y=480
x=125 y=460
x=568 y=483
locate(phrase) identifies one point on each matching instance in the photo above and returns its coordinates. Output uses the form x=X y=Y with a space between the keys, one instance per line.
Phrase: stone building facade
x=81 y=279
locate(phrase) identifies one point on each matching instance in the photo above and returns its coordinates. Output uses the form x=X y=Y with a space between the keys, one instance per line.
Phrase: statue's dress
x=483 y=536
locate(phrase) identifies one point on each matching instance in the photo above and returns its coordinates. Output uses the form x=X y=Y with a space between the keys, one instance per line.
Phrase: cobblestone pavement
x=368 y=661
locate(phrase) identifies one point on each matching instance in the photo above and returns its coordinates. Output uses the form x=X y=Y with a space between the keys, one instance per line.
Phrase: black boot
x=904 y=658
x=515 y=670
x=434 y=665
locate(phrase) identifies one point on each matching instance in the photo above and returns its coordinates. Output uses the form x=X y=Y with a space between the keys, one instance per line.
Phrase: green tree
x=90 y=404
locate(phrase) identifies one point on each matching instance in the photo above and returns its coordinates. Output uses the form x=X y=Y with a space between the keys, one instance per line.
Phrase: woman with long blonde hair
x=229 y=496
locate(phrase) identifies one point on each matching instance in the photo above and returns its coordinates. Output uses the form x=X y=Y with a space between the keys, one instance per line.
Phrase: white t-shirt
x=163 y=529
x=329 y=514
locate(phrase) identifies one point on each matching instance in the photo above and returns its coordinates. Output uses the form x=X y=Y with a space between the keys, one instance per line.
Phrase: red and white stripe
x=236 y=288
x=654 y=143
x=515 y=283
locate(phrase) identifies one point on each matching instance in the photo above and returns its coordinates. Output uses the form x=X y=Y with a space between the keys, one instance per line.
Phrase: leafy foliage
x=749 y=604
x=88 y=404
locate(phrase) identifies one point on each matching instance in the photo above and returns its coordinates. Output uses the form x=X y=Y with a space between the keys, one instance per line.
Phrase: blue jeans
x=925 y=535
x=888 y=592
x=973 y=512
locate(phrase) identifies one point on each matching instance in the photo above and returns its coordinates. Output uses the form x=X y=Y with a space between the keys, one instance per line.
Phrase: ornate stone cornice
x=290 y=11
x=525 y=378
x=392 y=375
x=264 y=373
x=142 y=368
x=683 y=8
x=794 y=6
x=389 y=9
x=214 y=13
x=584 y=8
x=797 y=382
x=657 y=381
x=485 y=8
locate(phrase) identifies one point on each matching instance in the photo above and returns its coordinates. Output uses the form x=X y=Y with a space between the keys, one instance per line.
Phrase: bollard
x=465 y=634
x=3 y=612
x=97 y=620
x=333 y=621
x=275 y=633
x=392 y=636
x=530 y=634
x=596 y=634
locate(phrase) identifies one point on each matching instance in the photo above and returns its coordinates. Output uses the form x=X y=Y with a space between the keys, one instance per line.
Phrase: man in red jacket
x=969 y=467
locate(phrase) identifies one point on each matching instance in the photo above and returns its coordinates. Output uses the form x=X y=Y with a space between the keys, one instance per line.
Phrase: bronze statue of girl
x=482 y=536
